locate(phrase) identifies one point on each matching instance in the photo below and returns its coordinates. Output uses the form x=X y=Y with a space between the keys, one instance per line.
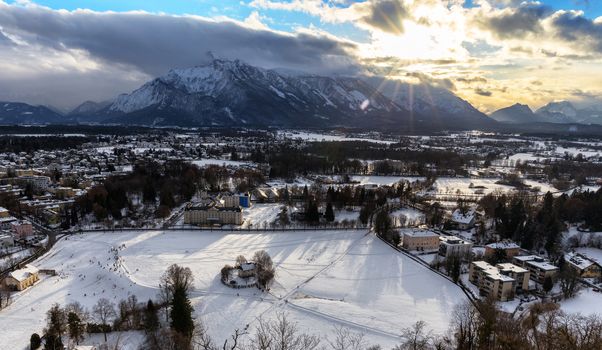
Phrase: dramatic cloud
x=387 y=15
x=483 y=92
x=516 y=22
x=79 y=45
x=574 y=27
x=156 y=43
x=487 y=51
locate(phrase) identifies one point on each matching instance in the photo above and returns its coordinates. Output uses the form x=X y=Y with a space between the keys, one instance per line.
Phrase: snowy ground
x=453 y=185
x=311 y=136
x=219 y=162
x=587 y=302
x=383 y=180
x=407 y=216
x=349 y=215
x=260 y=215
x=323 y=279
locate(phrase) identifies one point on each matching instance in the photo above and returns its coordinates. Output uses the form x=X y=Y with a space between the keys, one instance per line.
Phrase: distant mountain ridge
x=23 y=113
x=516 y=114
x=561 y=112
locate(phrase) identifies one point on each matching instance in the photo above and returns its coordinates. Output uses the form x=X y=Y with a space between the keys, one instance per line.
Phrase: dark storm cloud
x=387 y=15
x=483 y=92
x=128 y=49
x=471 y=80
x=518 y=22
x=156 y=43
x=572 y=27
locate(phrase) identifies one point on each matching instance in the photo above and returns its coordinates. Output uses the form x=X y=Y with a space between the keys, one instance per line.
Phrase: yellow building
x=584 y=266
x=539 y=267
x=491 y=281
x=520 y=275
x=22 y=278
x=420 y=240
x=510 y=248
x=212 y=215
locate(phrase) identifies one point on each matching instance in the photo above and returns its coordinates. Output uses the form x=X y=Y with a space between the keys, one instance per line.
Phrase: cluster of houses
x=423 y=240
x=503 y=281
x=13 y=229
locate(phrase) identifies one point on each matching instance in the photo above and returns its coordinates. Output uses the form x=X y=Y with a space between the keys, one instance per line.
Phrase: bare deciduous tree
x=265 y=268
x=344 y=339
x=240 y=260
x=104 y=311
x=178 y=277
x=415 y=337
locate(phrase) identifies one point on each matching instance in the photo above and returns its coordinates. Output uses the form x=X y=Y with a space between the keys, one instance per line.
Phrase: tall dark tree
x=149 y=193
x=181 y=315
x=56 y=321
x=382 y=223
x=329 y=213
x=35 y=341
x=312 y=215
x=75 y=327
x=151 y=317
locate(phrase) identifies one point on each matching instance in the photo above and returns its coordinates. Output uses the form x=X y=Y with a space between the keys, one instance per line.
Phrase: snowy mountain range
x=562 y=112
x=233 y=93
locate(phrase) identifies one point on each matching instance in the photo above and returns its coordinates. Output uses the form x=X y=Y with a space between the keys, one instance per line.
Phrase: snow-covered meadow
x=323 y=279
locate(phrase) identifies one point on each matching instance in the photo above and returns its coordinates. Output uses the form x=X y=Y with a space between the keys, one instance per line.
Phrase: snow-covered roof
x=503 y=245
x=492 y=272
x=8 y=219
x=536 y=261
x=420 y=233
x=511 y=267
x=24 y=273
x=466 y=218
x=578 y=260
x=453 y=240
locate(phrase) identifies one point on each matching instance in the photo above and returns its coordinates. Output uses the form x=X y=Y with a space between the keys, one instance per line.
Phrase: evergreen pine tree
x=151 y=318
x=181 y=314
x=35 y=342
x=329 y=214
x=75 y=327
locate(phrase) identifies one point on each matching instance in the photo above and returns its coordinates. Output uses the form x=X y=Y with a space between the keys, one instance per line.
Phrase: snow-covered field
x=219 y=162
x=587 y=302
x=453 y=185
x=261 y=214
x=383 y=180
x=407 y=216
x=311 y=136
x=323 y=279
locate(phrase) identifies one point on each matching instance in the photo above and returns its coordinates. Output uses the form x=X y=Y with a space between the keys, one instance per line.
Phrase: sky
x=493 y=53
